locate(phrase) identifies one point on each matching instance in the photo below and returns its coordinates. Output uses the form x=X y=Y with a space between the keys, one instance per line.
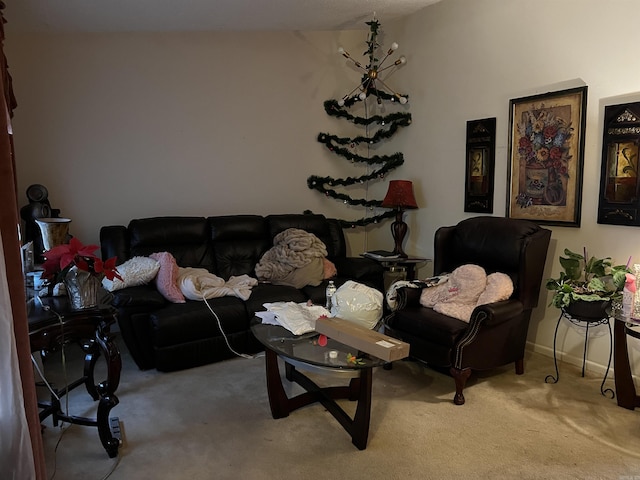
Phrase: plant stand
x=586 y=321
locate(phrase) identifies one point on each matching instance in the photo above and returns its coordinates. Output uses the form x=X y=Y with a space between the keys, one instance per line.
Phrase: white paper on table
x=298 y=318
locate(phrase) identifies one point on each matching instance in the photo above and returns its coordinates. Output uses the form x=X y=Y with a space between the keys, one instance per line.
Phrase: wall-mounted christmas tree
x=377 y=128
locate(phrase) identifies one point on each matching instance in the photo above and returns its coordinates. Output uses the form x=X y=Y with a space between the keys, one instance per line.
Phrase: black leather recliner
x=497 y=332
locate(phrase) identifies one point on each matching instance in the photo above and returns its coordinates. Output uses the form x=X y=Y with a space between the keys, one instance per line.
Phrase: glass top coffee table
x=303 y=352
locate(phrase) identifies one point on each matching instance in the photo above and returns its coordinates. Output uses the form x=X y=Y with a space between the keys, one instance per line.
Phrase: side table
x=625 y=388
x=585 y=322
x=409 y=264
x=52 y=324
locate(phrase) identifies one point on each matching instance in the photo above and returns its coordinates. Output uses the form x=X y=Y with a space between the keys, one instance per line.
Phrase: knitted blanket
x=292 y=249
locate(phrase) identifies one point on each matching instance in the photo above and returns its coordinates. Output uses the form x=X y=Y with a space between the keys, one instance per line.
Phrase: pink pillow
x=166 y=279
x=329 y=269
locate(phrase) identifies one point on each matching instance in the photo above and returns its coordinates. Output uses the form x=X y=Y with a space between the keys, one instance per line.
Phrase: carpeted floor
x=214 y=422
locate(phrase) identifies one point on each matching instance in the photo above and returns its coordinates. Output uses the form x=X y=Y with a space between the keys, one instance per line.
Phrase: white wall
x=122 y=126
x=119 y=126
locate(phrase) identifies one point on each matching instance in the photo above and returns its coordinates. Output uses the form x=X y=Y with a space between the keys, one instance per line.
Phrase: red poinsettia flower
x=59 y=260
x=108 y=267
x=68 y=253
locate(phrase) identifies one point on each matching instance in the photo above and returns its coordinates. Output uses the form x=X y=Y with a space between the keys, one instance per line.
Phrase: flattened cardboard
x=369 y=341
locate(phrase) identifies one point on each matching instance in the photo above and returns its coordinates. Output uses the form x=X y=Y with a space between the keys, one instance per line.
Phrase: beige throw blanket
x=295 y=259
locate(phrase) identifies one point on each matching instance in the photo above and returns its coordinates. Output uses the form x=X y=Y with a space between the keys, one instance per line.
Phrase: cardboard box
x=369 y=341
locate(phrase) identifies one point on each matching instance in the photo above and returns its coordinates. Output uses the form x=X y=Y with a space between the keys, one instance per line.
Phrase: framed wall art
x=480 y=165
x=619 y=186
x=546 y=157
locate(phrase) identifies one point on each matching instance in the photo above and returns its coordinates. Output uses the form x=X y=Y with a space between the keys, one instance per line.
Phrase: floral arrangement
x=61 y=259
x=587 y=279
x=543 y=144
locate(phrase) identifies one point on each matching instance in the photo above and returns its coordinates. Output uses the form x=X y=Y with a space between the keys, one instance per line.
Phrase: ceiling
x=201 y=15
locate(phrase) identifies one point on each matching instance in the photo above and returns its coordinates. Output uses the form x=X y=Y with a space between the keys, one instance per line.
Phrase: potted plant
x=587 y=286
x=81 y=271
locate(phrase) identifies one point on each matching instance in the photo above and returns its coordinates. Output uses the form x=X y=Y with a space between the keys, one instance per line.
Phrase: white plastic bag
x=357 y=303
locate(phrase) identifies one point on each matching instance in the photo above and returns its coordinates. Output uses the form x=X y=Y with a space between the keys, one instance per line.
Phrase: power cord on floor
x=243 y=355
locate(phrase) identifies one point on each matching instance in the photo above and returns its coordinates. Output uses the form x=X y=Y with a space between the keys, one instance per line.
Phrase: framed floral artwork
x=546 y=153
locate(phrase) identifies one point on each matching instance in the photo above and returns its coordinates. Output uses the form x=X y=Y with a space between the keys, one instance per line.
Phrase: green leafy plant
x=592 y=280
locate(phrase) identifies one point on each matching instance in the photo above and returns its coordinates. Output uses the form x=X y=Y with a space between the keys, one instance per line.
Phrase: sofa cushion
x=269 y=293
x=186 y=238
x=192 y=321
x=238 y=242
x=145 y=296
x=423 y=322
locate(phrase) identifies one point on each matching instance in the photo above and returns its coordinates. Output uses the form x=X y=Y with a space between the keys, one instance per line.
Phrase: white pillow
x=135 y=271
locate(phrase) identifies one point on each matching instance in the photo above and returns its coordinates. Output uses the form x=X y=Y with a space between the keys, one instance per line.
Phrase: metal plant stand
x=585 y=322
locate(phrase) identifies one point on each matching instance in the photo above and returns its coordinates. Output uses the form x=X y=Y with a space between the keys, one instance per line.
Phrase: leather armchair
x=497 y=332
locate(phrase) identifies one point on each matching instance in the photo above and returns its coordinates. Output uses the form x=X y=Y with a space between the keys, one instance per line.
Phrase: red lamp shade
x=400 y=195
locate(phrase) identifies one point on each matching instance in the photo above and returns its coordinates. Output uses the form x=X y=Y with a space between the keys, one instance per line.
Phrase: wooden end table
x=52 y=324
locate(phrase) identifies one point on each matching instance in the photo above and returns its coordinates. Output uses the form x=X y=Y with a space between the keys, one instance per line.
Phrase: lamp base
x=398 y=232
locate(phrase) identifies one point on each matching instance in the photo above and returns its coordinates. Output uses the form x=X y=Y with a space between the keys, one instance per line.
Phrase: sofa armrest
x=407 y=297
x=114 y=242
x=143 y=296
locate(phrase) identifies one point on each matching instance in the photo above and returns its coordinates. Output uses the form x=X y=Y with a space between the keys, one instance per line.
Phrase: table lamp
x=399 y=196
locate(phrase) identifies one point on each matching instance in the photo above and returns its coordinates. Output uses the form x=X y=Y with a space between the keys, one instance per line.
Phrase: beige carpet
x=214 y=422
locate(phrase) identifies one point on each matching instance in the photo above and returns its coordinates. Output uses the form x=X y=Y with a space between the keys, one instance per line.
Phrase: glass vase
x=635 y=311
x=83 y=288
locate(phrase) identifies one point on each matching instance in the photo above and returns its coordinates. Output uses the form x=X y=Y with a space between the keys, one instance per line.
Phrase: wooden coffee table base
x=359 y=389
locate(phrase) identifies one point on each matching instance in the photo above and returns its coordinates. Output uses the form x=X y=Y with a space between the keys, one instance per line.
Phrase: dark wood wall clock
x=619 y=187
x=480 y=165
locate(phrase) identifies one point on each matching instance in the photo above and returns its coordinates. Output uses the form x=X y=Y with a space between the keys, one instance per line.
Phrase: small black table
x=625 y=388
x=304 y=352
x=52 y=324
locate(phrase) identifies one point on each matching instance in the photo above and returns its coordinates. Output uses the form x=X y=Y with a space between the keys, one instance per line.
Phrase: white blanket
x=298 y=318
x=199 y=283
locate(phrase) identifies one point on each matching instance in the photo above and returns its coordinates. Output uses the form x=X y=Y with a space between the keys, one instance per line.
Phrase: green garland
x=388 y=127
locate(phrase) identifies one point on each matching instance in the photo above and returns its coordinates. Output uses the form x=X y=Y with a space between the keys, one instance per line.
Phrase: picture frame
x=480 y=165
x=619 y=199
x=546 y=157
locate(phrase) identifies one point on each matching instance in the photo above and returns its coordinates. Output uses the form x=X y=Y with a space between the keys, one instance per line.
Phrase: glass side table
x=625 y=388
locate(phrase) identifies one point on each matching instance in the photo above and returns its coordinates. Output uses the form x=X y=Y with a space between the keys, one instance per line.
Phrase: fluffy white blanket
x=292 y=249
x=199 y=283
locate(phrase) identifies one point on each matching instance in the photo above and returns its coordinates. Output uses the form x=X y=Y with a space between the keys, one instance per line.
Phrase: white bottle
x=629 y=296
x=331 y=289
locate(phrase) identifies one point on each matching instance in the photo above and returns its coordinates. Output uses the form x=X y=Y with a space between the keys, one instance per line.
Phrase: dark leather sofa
x=173 y=336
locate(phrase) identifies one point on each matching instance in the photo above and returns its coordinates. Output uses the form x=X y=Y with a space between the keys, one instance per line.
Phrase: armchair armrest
x=408 y=297
x=497 y=313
